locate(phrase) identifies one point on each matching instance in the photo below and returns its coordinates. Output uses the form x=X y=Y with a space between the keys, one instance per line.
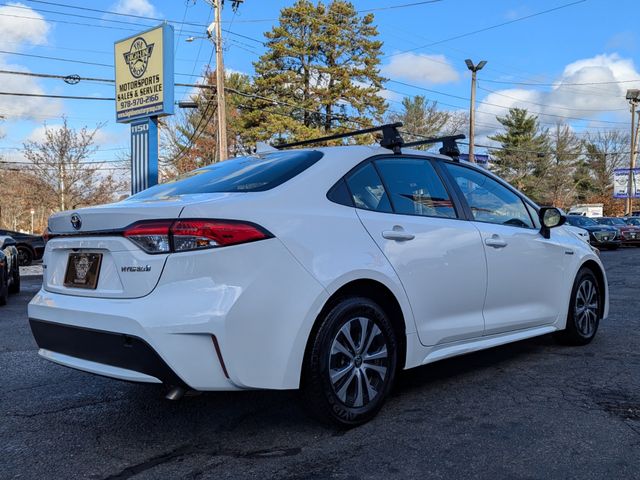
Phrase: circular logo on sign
x=138 y=56
x=76 y=221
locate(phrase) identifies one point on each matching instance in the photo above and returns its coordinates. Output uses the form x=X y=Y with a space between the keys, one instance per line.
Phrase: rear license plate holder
x=83 y=270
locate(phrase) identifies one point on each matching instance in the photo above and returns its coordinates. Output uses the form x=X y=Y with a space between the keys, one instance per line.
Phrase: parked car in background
x=581 y=233
x=601 y=236
x=30 y=247
x=9 y=269
x=633 y=221
x=629 y=234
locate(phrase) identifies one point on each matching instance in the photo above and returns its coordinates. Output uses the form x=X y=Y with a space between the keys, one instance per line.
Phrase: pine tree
x=564 y=158
x=422 y=119
x=319 y=75
x=523 y=155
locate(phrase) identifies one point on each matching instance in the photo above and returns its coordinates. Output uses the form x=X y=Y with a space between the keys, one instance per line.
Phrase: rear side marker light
x=165 y=236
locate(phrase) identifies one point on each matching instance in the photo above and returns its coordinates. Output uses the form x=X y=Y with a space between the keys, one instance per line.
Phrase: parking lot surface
x=529 y=410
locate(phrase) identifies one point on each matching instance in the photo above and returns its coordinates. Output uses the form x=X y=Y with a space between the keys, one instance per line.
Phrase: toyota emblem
x=76 y=221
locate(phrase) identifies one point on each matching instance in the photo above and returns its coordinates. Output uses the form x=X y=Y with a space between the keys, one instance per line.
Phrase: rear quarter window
x=256 y=173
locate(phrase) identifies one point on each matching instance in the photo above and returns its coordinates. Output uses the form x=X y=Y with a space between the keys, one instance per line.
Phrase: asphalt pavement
x=530 y=410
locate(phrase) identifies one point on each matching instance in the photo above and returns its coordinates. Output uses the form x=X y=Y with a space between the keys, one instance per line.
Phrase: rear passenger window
x=415 y=188
x=367 y=190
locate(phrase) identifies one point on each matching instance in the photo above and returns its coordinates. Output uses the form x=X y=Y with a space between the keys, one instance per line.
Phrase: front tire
x=4 y=288
x=25 y=256
x=585 y=309
x=351 y=363
x=15 y=285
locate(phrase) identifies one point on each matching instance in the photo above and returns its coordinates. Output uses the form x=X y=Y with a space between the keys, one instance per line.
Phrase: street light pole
x=633 y=95
x=472 y=107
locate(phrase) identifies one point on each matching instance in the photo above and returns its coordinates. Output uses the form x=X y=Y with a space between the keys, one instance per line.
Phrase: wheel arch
x=379 y=293
x=600 y=277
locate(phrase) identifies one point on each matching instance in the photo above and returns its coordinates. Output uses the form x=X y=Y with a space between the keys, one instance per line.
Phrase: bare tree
x=60 y=162
x=423 y=119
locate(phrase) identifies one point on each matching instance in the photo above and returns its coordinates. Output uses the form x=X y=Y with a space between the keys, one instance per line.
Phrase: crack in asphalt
x=189 y=450
x=65 y=409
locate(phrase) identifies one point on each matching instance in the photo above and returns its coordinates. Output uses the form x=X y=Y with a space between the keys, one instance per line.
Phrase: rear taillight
x=152 y=236
x=164 y=236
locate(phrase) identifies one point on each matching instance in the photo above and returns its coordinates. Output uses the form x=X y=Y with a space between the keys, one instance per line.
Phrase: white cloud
x=16 y=32
x=101 y=138
x=135 y=7
x=22 y=26
x=604 y=101
x=421 y=68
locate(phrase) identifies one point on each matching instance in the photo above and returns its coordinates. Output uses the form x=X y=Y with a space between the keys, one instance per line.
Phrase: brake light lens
x=165 y=236
x=152 y=236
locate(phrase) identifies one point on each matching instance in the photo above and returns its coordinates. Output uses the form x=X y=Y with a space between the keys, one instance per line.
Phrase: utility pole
x=215 y=34
x=633 y=95
x=472 y=108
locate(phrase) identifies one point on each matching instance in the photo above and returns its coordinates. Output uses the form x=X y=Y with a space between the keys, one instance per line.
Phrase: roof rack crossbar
x=449 y=145
x=389 y=132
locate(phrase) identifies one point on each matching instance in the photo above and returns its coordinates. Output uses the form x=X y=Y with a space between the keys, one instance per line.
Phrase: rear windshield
x=242 y=174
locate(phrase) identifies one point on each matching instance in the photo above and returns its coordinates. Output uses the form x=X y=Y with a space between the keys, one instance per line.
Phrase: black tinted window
x=367 y=190
x=490 y=201
x=415 y=188
x=243 y=174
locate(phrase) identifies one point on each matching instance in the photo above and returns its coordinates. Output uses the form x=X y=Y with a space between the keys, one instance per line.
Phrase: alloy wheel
x=586 y=307
x=358 y=362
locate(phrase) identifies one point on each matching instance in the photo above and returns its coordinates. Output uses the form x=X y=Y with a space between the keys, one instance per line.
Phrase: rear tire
x=585 y=310
x=351 y=363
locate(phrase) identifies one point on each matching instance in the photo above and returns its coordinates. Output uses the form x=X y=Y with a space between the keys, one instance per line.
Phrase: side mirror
x=550 y=217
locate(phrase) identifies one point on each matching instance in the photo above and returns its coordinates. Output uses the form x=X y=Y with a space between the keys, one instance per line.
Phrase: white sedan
x=324 y=269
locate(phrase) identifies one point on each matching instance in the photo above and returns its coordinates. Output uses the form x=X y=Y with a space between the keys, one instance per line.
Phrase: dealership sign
x=621 y=183
x=144 y=74
x=144 y=91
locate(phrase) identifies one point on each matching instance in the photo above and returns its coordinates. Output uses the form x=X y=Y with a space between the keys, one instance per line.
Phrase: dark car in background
x=9 y=270
x=629 y=234
x=30 y=247
x=600 y=236
x=633 y=221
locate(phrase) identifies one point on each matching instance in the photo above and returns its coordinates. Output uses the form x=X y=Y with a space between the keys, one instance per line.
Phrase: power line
x=43 y=95
x=502 y=106
x=554 y=106
x=560 y=84
x=502 y=24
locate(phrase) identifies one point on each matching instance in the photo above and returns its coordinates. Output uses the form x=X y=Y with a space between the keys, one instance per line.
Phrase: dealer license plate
x=83 y=270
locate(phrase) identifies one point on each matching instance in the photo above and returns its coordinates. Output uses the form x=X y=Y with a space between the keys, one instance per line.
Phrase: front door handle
x=398 y=233
x=495 y=241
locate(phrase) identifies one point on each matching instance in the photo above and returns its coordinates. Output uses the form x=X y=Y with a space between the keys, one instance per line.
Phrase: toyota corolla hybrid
x=323 y=269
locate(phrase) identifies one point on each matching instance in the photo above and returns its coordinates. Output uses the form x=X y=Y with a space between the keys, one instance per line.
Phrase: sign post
x=144 y=92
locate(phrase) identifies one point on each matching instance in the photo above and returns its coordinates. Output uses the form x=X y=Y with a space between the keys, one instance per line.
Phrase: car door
x=526 y=271
x=439 y=258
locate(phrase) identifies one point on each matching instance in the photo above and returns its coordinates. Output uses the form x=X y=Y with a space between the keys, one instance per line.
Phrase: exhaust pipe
x=176 y=393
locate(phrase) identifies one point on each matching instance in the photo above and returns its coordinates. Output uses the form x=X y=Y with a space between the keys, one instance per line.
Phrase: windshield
x=242 y=174
x=633 y=221
x=616 y=221
x=578 y=221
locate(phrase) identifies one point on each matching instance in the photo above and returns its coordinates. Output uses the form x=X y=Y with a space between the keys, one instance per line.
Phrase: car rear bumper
x=216 y=321
x=126 y=357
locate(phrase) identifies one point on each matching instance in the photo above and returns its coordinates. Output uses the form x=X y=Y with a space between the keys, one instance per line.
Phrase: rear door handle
x=495 y=241
x=398 y=234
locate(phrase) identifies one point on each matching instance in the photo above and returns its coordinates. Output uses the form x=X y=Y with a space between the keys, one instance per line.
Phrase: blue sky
x=585 y=42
